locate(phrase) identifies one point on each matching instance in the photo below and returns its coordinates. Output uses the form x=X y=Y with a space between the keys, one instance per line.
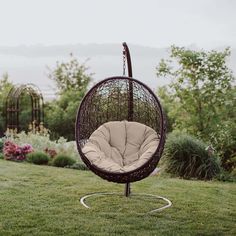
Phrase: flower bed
x=16 y=149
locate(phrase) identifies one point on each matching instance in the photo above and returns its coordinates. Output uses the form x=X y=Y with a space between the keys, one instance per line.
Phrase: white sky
x=156 y=23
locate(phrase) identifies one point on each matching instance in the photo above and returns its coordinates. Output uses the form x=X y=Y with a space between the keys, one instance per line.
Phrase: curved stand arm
x=130 y=74
x=127 y=54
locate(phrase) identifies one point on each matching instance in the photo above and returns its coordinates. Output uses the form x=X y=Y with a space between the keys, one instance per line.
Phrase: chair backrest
x=109 y=101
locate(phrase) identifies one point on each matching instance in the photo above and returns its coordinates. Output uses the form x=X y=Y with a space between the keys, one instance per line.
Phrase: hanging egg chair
x=120 y=128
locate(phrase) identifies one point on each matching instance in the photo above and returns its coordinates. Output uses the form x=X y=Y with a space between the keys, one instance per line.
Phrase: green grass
x=43 y=200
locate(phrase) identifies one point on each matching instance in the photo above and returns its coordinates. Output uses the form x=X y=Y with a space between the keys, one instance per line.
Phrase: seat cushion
x=121 y=146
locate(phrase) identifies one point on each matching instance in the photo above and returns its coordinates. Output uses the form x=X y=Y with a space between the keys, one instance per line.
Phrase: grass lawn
x=42 y=200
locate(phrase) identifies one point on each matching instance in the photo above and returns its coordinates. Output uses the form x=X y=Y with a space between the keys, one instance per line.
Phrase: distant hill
x=82 y=50
x=29 y=63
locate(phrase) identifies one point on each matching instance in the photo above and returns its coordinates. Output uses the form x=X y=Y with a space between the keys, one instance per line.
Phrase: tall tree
x=201 y=96
x=70 y=76
x=5 y=86
x=72 y=80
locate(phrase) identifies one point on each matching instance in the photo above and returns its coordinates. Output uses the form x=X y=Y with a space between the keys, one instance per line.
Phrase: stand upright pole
x=130 y=100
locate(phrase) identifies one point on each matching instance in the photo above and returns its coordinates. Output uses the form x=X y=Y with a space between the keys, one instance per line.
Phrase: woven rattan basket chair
x=120 y=98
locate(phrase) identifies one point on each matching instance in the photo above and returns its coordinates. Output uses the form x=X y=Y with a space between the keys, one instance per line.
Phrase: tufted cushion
x=121 y=146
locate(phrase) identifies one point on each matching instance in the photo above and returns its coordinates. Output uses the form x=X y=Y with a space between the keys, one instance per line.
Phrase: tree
x=5 y=86
x=72 y=81
x=70 y=76
x=200 y=96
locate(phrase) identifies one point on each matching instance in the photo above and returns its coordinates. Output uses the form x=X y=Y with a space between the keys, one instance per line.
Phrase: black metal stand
x=127 y=189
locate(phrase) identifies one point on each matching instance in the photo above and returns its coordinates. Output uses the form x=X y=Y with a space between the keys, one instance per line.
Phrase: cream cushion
x=121 y=146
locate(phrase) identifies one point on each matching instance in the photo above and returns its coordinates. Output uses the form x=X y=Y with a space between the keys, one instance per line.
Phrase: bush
x=14 y=152
x=226 y=176
x=78 y=166
x=63 y=160
x=1 y=145
x=187 y=157
x=38 y=158
x=223 y=138
x=1 y=149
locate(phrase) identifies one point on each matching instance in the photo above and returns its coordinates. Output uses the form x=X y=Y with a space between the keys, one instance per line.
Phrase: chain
x=124 y=62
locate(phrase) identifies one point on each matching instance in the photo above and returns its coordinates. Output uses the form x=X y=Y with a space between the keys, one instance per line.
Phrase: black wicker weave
x=116 y=99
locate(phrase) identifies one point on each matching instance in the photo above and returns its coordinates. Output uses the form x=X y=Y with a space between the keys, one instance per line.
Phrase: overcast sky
x=155 y=23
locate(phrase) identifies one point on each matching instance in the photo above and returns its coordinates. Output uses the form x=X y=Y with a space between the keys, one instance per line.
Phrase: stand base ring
x=169 y=203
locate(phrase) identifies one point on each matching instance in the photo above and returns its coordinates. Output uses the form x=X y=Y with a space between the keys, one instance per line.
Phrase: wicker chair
x=120 y=98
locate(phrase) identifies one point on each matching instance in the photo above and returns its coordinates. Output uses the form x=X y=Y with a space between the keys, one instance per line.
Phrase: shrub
x=15 y=152
x=63 y=160
x=78 y=166
x=38 y=158
x=226 y=176
x=187 y=157
x=223 y=138
x=1 y=145
x=1 y=149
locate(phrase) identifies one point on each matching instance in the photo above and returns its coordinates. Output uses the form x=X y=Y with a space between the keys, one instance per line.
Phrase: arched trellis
x=13 y=106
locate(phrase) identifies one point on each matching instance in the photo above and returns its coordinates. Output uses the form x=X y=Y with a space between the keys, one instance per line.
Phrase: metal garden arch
x=13 y=106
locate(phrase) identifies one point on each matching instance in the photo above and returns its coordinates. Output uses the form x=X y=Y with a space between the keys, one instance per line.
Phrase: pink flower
x=9 y=148
x=27 y=148
x=14 y=152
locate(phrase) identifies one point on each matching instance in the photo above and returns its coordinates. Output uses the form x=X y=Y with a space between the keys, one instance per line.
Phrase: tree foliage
x=70 y=76
x=201 y=97
x=5 y=86
x=72 y=81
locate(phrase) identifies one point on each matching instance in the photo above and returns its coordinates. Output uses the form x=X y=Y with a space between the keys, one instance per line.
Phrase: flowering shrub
x=14 y=152
x=51 y=152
